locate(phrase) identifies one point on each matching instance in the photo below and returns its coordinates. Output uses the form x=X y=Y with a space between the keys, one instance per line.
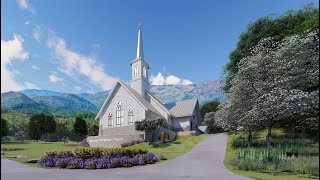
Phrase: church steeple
x=139 y=46
x=140 y=68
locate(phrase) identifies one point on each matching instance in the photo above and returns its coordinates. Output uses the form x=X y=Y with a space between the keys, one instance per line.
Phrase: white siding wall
x=128 y=102
x=181 y=123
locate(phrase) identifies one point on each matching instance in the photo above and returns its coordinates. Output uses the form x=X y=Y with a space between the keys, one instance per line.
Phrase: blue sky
x=85 y=46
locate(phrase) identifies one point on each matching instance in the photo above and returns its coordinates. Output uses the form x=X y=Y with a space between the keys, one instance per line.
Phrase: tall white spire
x=140 y=47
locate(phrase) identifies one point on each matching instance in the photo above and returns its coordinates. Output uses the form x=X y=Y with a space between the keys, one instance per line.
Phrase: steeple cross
x=139 y=24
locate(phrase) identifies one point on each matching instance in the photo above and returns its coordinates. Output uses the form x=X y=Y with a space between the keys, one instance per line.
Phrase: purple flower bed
x=103 y=162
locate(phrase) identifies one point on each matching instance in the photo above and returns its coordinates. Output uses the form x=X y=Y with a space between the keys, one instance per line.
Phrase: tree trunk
x=268 y=137
x=249 y=139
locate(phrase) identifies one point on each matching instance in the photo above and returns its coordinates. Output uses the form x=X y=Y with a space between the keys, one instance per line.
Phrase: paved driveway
x=204 y=162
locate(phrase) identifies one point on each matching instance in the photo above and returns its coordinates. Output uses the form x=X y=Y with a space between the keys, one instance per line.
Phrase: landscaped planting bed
x=97 y=158
x=296 y=156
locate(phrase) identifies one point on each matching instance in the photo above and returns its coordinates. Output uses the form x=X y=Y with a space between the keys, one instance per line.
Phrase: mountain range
x=32 y=101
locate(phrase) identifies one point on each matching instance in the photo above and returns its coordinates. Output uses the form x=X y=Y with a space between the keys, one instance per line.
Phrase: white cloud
x=73 y=63
x=35 y=67
x=172 y=80
x=77 y=88
x=29 y=85
x=27 y=23
x=159 y=79
x=25 y=5
x=12 y=50
x=36 y=33
x=55 y=78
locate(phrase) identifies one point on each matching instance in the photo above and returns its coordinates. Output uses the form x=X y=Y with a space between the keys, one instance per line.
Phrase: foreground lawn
x=34 y=150
x=171 y=150
x=231 y=153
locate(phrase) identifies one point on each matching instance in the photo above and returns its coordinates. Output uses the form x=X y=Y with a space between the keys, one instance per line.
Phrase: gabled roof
x=160 y=103
x=144 y=103
x=182 y=108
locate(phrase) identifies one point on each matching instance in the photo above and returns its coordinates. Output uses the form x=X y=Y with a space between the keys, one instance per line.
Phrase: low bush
x=99 y=163
x=132 y=142
x=302 y=165
x=240 y=141
x=89 y=153
x=162 y=157
x=164 y=136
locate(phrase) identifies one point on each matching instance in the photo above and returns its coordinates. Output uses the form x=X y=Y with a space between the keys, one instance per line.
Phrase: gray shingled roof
x=182 y=108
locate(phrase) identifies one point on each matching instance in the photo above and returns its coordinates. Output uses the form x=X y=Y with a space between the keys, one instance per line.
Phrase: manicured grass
x=231 y=154
x=34 y=150
x=173 y=149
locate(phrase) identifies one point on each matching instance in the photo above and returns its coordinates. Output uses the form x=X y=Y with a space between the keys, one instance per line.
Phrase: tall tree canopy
x=299 y=22
x=278 y=83
x=41 y=124
x=211 y=106
x=80 y=127
x=4 y=128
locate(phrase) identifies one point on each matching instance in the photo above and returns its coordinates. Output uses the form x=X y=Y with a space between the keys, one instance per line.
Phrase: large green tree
x=80 y=127
x=93 y=130
x=34 y=128
x=299 y=22
x=4 y=128
x=41 y=124
x=47 y=125
x=211 y=106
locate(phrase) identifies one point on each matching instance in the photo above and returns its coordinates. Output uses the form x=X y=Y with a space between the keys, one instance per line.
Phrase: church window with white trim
x=119 y=115
x=130 y=117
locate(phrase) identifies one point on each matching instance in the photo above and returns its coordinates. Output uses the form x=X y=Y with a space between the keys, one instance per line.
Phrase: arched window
x=110 y=120
x=130 y=117
x=136 y=70
x=119 y=115
x=144 y=72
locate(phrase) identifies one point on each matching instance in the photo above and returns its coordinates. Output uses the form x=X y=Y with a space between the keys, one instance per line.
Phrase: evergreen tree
x=80 y=127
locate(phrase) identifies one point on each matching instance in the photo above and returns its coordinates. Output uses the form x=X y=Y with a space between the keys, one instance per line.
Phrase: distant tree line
x=48 y=128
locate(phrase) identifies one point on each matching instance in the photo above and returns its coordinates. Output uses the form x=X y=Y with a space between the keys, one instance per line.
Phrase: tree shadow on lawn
x=159 y=145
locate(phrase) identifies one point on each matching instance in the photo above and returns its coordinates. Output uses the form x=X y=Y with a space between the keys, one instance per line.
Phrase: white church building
x=127 y=104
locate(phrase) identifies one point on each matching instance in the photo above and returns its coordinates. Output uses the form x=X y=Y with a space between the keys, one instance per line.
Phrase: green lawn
x=171 y=150
x=34 y=150
x=231 y=153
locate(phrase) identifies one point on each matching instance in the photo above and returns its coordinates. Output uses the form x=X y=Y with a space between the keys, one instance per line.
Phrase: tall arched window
x=119 y=115
x=136 y=70
x=110 y=120
x=130 y=117
x=144 y=72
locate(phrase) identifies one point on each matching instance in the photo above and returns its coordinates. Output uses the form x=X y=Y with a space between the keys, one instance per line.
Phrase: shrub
x=132 y=142
x=48 y=161
x=164 y=136
x=84 y=143
x=161 y=157
x=148 y=158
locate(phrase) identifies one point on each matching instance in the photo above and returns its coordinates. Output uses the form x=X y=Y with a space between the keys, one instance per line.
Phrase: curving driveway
x=204 y=162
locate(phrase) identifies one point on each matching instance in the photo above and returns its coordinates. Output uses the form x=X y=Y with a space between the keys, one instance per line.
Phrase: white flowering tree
x=278 y=83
